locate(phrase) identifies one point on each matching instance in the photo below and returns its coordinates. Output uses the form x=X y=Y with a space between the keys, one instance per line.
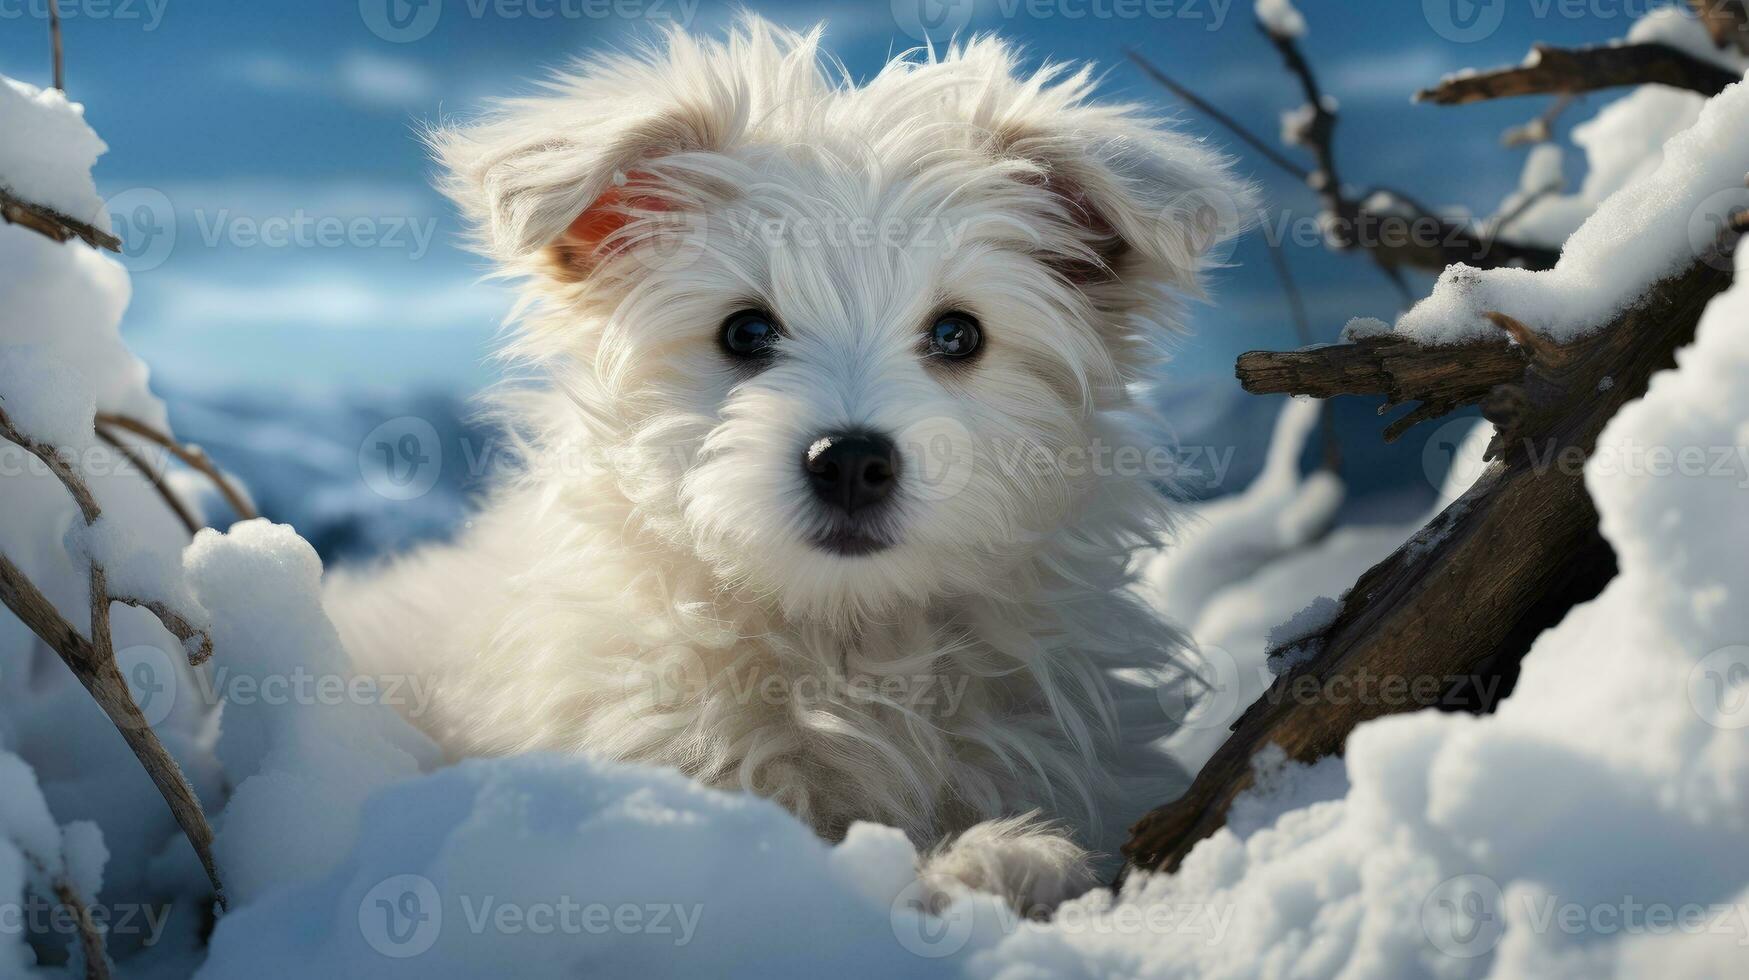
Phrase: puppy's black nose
x=852 y=470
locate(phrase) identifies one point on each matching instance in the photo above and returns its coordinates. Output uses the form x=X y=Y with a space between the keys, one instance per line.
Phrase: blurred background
x=300 y=290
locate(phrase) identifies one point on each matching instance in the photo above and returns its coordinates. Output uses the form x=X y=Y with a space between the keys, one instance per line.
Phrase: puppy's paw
x=1031 y=864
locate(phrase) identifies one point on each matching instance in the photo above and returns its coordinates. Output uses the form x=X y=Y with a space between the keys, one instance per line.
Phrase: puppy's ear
x=563 y=175
x=1145 y=201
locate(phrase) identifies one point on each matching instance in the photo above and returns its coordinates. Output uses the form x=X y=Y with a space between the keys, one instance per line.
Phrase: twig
x=90 y=937
x=1550 y=69
x=193 y=456
x=53 y=224
x=1432 y=242
x=92 y=660
x=1519 y=209
x=153 y=477
x=1303 y=330
x=55 y=40
x=1542 y=128
x=68 y=898
x=1210 y=109
x=1421 y=240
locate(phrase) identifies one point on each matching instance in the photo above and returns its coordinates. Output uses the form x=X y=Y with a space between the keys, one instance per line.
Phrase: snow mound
x=48 y=152
x=1653 y=227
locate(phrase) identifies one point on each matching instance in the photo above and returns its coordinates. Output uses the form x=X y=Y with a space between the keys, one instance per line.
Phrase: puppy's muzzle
x=852 y=471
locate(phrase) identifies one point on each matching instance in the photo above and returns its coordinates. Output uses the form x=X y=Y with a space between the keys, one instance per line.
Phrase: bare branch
x=1418 y=239
x=181 y=628
x=1570 y=70
x=1542 y=128
x=92 y=660
x=193 y=456
x=155 y=478
x=53 y=224
x=90 y=937
x=1210 y=109
x=1442 y=379
x=55 y=42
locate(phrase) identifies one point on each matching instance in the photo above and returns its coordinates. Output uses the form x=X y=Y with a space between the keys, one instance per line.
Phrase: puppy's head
x=852 y=346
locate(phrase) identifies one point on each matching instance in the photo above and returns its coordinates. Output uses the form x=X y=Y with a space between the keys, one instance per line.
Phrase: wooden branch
x=55 y=43
x=68 y=897
x=52 y=223
x=193 y=456
x=96 y=669
x=153 y=477
x=1571 y=70
x=1461 y=601
x=90 y=937
x=1416 y=238
x=1442 y=379
x=1726 y=22
x=92 y=659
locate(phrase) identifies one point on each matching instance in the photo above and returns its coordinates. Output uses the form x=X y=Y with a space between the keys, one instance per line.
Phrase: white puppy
x=830 y=493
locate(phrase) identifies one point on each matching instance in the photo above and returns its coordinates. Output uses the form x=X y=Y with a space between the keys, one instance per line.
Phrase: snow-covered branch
x=1550 y=70
x=92 y=658
x=52 y=223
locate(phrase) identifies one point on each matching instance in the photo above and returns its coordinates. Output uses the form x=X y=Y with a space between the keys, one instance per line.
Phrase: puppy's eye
x=955 y=335
x=749 y=334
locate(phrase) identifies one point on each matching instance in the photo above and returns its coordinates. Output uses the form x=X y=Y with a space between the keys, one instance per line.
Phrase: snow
x=1654 y=227
x=1280 y=18
x=45 y=399
x=47 y=156
x=1609 y=790
x=1286 y=642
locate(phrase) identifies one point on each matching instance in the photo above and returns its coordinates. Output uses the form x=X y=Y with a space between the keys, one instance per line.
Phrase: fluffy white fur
x=647 y=589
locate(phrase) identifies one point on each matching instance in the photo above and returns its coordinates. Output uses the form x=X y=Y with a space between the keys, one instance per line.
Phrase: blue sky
x=277 y=138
